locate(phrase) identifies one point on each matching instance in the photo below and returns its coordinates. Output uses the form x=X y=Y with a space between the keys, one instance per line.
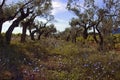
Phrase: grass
x=51 y=59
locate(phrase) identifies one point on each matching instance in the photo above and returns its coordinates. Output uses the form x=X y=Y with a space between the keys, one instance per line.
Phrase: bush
x=66 y=49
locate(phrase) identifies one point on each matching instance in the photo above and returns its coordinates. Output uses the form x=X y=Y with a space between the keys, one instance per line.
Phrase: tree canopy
x=101 y=18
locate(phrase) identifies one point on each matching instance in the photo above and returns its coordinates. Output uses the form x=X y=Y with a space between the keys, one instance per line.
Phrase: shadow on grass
x=12 y=58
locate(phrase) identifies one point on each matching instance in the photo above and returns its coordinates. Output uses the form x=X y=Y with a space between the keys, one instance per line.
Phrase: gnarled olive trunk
x=1 y=37
x=39 y=36
x=30 y=32
x=10 y=30
x=1 y=27
x=95 y=35
x=101 y=42
x=40 y=33
x=32 y=35
x=14 y=24
x=85 y=33
x=23 y=36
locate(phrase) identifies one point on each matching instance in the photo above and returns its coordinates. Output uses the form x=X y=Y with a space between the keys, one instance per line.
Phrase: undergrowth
x=57 y=60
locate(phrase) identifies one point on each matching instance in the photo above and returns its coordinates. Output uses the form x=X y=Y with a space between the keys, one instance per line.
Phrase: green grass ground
x=51 y=59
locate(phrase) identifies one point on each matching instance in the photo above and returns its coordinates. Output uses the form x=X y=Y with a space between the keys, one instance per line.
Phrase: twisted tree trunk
x=10 y=30
x=1 y=27
x=23 y=36
x=16 y=23
x=85 y=33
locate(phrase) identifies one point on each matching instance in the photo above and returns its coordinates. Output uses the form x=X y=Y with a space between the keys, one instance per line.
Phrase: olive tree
x=7 y=12
x=100 y=18
x=41 y=27
x=27 y=23
x=27 y=8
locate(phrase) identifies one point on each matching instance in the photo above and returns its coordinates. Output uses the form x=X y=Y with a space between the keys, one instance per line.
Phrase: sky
x=61 y=14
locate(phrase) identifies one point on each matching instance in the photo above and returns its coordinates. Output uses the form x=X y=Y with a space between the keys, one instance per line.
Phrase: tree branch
x=3 y=2
x=21 y=9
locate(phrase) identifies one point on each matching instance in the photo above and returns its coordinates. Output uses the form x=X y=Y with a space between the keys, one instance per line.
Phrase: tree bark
x=94 y=35
x=39 y=36
x=85 y=33
x=101 y=42
x=40 y=33
x=11 y=28
x=15 y=24
x=32 y=35
x=1 y=27
x=3 y=2
x=9 y=32
x=23 y=36
x=30 y=32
